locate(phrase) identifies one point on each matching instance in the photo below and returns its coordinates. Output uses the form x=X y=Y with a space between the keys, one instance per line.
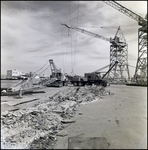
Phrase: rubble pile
x=36 y=127
x=19 y=128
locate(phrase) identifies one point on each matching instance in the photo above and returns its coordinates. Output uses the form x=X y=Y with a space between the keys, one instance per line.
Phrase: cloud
x=32 y=33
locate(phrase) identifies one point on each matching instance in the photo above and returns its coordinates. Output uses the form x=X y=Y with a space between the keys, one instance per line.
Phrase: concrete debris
x=36 y=127
x=67 y=121
x=44 y=142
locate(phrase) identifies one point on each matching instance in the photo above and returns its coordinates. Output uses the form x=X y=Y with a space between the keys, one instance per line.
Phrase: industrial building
x=15 y=73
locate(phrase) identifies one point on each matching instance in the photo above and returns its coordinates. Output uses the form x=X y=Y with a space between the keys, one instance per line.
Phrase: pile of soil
x=38 y=126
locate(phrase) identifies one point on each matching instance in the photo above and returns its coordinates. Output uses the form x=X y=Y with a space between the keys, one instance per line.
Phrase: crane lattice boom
x=88 y=32
x=55 y=72
x=127 y=12
x=140 y=75
x=116 y=41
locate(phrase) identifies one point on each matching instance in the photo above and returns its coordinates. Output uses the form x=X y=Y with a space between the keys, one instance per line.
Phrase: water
x=8 y=83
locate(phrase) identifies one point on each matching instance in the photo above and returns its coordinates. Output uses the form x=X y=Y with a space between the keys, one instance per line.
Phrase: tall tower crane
x=118 y=52
x=141 y=66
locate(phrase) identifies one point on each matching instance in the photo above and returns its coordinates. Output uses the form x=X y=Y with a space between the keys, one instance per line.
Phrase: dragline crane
x=56 y=77
x=118 y=52
x=55 y=73
x=141 y=66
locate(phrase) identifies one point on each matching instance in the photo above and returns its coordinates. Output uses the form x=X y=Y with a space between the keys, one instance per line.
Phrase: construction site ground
x=8 y=102
x=120 y=118
x=116 y=120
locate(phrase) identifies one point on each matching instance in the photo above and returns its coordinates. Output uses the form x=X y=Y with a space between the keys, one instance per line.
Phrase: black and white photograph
x=74 y=74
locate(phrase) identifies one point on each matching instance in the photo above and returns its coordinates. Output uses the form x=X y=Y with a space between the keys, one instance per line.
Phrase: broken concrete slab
x=68 y=121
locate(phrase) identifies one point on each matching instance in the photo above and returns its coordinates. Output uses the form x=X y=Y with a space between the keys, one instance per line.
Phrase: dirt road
x=120 y=118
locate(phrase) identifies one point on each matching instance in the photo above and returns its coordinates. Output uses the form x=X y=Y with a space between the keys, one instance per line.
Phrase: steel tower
x=120 y=73
x=118 y=52
x=141 y=67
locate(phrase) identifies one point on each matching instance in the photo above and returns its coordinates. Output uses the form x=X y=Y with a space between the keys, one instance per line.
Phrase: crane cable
x=70 y=37
x=76 y=35
x=62 y=50
x=41 y=67
x=130 y=66
x=45 y=69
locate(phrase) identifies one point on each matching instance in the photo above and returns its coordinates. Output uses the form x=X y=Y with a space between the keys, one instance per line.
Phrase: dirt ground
x=120 y=118
x=9 y=102
x=116 y=120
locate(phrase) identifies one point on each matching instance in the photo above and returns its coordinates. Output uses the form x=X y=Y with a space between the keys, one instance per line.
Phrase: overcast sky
x=31 y=34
